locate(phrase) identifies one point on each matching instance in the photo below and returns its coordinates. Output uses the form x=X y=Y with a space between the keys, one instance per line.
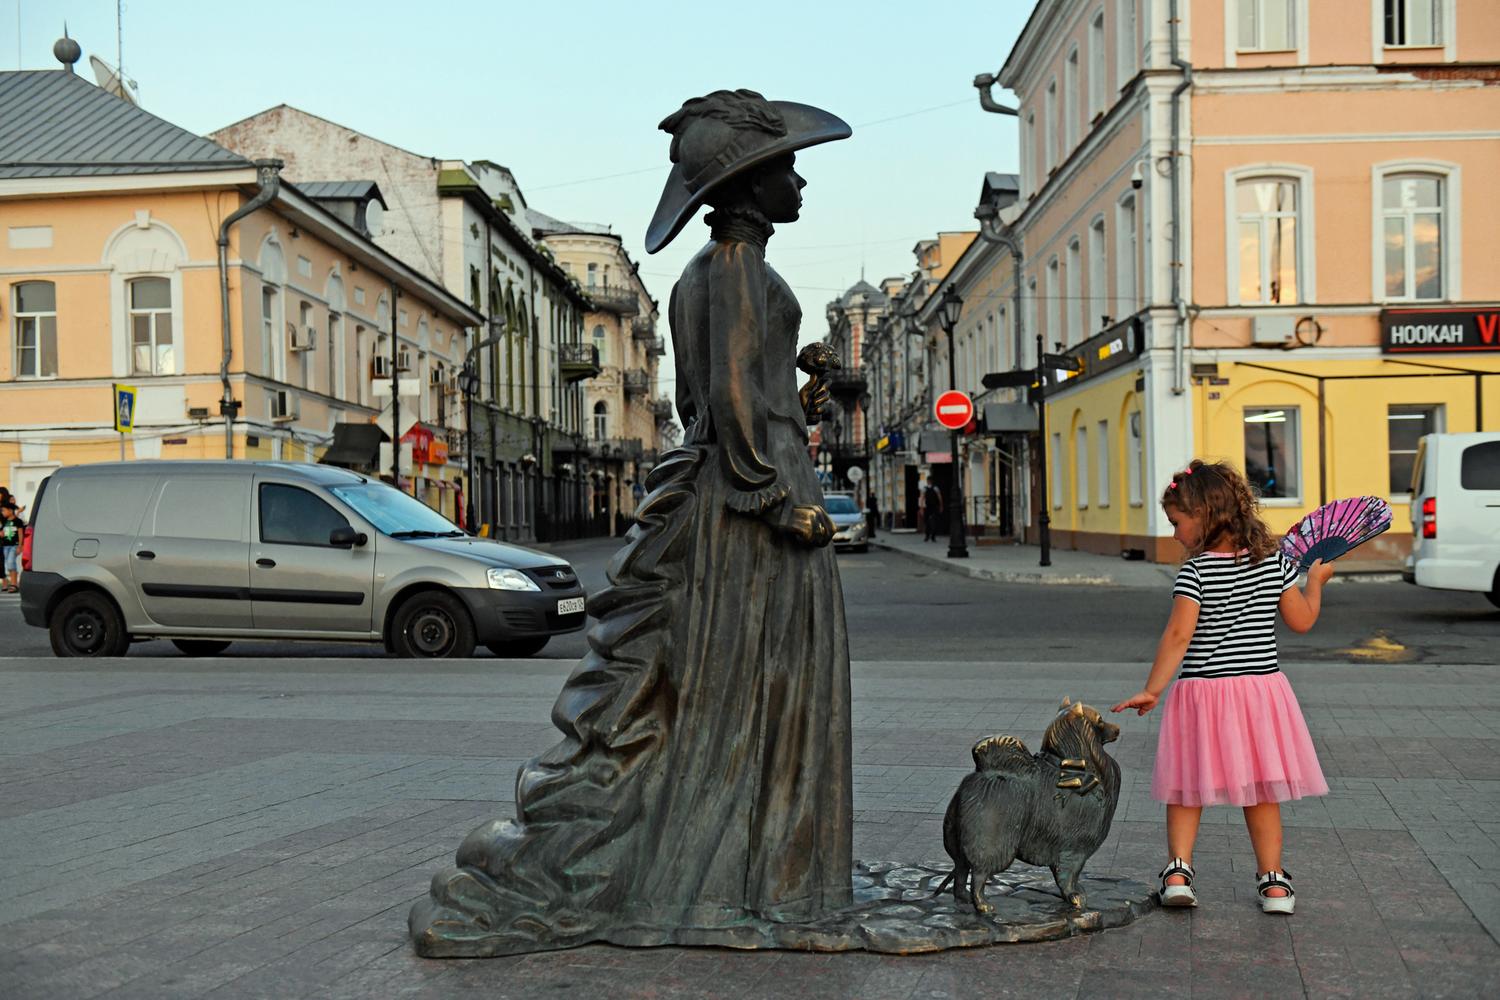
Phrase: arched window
x=1270 y=235
x=601 y=420
x=601 y=343
x=34 y=308
x=151 y=344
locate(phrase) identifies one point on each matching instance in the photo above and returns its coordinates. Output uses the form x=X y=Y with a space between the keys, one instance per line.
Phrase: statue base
x=896 y=911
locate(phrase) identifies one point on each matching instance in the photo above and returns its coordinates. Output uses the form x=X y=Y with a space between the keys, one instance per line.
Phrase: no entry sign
x=954 y=409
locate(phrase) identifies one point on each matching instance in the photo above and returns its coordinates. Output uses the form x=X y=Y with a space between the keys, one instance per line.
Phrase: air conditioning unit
x=380 y=366
x=403 y=360
x=1272 y=330
x=283 y=406
x=304 y=338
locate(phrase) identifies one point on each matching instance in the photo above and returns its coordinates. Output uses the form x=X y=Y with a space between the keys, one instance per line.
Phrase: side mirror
x=346 y=537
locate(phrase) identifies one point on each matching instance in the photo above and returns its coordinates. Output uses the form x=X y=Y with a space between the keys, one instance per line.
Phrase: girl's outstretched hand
x=1319 y=572
x=1142 y=702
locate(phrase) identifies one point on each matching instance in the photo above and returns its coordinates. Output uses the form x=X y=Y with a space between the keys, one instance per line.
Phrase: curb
x=1001 y=576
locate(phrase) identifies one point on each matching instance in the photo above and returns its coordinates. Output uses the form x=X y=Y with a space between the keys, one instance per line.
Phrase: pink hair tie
x=1171 y=486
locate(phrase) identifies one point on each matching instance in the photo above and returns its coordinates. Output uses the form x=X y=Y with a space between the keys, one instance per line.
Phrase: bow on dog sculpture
x=1052 y=808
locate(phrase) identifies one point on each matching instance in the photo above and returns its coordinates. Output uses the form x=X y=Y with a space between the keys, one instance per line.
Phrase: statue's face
x=778 y=189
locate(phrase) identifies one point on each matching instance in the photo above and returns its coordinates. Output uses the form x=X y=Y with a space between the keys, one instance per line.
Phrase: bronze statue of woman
x=701 y=793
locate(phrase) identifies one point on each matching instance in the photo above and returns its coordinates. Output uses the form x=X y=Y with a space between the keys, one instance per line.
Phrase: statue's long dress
x=702 y=789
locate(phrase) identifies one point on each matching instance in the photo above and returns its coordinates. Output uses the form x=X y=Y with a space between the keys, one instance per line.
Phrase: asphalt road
x=898 y=610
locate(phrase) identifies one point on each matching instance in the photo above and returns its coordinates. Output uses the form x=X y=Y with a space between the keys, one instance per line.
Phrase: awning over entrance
x=355 y=446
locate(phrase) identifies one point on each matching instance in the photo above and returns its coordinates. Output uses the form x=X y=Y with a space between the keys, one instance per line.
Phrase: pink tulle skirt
x=1234 y=741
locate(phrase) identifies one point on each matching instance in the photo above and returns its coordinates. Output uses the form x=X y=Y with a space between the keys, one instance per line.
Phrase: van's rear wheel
x=200 y=647
x=516 y=649
x=1494 y=597
x=88 y=624
x=433 y=624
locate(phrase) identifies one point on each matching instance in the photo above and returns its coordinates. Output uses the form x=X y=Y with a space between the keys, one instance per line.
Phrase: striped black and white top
x=1236 y=631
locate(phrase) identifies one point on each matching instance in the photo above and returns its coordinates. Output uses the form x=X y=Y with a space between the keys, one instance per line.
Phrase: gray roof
x=54 y=123
x=876 y=296
x=341 y=190
x=544 y=224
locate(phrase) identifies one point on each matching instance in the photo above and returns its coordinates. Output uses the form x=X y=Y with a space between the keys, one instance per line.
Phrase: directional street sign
x=953 y=409
x=124 y=408
x=1005 y=380
x=1062 y=362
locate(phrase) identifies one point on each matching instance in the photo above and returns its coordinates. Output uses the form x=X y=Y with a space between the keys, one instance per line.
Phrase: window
x=333 y=357
x=601 y=421
x=1070 y=101
x=1096 y=65
x=1054 y=332
x=1266 y=221
x=1098 y=301
x=601 y=342
x=593 y=274
x=1405 y=426
x=151 y=350
x=1413 y=22
x=1027 y=342
x=292 y=516
x=1267 y=26
x=1081 y=466
x=1049 y=126
x=305 y=314
x=267 y=329
x=1030 y=155
x=1125 y=259
x=1135 y=459
x=34 y=306
x=1412 y=207
x=1075 y=333
x=1056 y=471
x=1479 y=466
x=1101 y=481
x=1129 y=46
x=1272 y=459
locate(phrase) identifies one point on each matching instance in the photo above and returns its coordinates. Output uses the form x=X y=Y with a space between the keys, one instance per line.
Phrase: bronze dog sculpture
x=1053 y=808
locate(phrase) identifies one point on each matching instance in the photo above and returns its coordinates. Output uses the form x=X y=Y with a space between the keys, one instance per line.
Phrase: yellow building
x=253 y=319
x=1260 y=233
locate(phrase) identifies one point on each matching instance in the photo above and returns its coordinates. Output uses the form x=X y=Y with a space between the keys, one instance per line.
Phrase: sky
x=569 y=96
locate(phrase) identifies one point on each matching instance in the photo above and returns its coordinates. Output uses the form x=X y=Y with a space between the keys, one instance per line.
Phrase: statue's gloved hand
x=815 y=395
x=809 y=524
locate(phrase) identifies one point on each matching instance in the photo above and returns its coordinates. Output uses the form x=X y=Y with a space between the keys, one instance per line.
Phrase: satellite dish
x=111 y=82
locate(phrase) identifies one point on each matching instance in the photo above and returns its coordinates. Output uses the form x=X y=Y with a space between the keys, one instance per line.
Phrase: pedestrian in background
x=1232 y=732
x=10 y=537
x=932 y=506
x=872 y=510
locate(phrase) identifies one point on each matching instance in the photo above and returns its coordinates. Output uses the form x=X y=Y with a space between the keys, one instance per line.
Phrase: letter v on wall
x=1488 y=324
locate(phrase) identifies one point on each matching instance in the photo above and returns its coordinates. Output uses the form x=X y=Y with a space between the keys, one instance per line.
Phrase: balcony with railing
x=578 y=361
x=637 y=382
x=657 y=347
x=662 y=409
x=623 y=449
x=643 y=330
x=847 y=383
x=621 y=301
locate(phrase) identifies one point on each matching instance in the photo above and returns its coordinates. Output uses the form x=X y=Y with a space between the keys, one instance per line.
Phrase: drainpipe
x=1179 y=305
x=268 y=176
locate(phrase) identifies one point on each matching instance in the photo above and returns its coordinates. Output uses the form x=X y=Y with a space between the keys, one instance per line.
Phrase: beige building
x=254 y=319
x=628 y=418
x=467 y=226
x=1254 y=224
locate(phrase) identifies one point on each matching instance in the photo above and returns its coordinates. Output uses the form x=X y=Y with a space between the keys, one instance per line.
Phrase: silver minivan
x=1455 y=512
x=203 y=553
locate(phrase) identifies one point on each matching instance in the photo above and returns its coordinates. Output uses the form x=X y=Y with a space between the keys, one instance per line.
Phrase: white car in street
x=850 y=529
x=1455 y=512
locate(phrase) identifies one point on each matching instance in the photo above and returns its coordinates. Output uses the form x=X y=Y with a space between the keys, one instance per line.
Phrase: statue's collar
x=1072 y=772
x=738 y=228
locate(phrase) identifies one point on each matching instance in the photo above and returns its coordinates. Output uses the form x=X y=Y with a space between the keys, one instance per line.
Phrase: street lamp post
x=468 y=383
x=949 y=309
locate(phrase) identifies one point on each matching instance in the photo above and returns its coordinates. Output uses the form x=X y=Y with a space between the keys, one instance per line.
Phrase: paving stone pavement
x=200 y=828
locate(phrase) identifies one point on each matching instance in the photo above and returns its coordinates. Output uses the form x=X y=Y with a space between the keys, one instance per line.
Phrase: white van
x=1455 y=513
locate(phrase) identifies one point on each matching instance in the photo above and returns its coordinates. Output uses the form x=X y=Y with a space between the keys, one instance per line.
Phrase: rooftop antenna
x=120 y=39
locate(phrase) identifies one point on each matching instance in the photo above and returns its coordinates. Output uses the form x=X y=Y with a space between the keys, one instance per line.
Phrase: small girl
x=1232 y=732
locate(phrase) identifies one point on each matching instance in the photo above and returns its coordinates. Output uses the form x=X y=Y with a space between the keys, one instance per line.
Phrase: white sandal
x=1274 y=879
x=1178 y=895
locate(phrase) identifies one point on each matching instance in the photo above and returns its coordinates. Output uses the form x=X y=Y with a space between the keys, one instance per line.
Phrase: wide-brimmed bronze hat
x=724 y=134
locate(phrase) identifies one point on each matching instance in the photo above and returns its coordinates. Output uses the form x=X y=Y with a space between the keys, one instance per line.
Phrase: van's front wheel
x=88 y=624
x=433 y=624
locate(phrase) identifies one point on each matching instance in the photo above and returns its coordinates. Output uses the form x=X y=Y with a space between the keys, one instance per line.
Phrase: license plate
x=570 y=606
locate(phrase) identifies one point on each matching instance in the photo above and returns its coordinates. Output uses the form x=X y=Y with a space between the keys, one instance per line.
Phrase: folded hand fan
x=1334 y=529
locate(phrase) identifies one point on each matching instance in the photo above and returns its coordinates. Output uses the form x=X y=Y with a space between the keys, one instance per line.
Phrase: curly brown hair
x=1224 y=501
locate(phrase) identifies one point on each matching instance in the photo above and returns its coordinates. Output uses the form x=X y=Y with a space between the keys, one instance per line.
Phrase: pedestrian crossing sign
x=124 y=408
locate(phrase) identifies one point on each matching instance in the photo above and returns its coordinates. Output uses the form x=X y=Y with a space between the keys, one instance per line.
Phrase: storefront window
x=1406 y=425
x=1135 y=459
x=1081 y=467
x=1273 y=461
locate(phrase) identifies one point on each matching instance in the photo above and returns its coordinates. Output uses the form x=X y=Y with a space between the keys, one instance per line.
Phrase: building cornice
x=32 y=187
